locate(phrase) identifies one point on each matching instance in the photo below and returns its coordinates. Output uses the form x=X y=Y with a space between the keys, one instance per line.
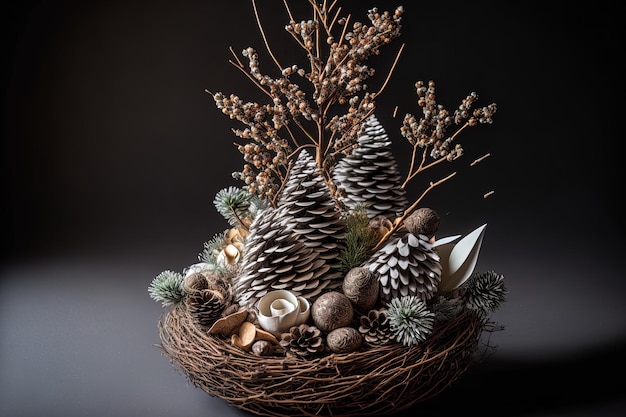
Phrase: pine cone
x=370 y=176
x=274 y=258
x=375 y=328
x=407 y=265
x=319 y=224
x=303 y=341
x=207 y=296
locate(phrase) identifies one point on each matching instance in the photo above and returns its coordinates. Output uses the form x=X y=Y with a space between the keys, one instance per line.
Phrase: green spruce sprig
x=360 y=239
x=167 y=288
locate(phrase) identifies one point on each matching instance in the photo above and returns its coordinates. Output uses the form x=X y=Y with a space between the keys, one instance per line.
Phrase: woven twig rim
x=375 y=381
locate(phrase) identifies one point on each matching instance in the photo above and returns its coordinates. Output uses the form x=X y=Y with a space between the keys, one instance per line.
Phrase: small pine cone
x=375 y=328
x=303 y=341
x=370 y=176
x=407 y=265
x=207 y=296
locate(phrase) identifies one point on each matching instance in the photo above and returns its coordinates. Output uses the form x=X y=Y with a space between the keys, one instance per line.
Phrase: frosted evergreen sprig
x=236 y=205
x=167 y=288
x=211 y=248
x=410 y=320
x=485 y=291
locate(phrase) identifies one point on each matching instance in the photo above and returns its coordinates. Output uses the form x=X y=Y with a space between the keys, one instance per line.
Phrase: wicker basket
x=375 y=381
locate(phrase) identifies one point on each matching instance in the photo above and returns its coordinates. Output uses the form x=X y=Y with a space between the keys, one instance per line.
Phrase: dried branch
x=398 y=222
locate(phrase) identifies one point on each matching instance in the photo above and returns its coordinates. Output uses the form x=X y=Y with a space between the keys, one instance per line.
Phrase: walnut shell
x=332 y=310
x=344 y=340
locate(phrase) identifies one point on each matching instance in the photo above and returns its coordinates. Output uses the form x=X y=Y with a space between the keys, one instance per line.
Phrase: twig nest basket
x=324 y=229
x=375 y=381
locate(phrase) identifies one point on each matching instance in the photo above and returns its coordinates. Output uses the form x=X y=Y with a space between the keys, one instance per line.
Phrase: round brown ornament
x=332 y=310
x=344 y=340
x=361 y=287
x=423 y=221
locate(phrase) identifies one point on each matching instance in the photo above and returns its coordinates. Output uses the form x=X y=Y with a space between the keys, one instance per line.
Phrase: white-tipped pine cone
x=370 y=177
x=406 y=265
x=319 y=223
x=276 y=258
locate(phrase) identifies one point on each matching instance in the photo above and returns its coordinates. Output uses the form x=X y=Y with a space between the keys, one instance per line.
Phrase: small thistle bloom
x=485 y=291
x=167 y=288
x=410 y=321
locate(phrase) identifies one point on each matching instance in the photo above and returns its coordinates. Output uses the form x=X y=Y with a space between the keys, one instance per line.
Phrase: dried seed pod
x=423 y=221
x=262 y=348
x=361 y=287
x=208 y=295
x=406 y=265
x=225 y=326
x=332 y=310
x=375 y=327
x=344 y=340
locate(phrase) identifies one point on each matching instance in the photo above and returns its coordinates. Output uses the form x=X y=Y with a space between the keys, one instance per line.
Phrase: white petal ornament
x=279 y=310
x=458 y=260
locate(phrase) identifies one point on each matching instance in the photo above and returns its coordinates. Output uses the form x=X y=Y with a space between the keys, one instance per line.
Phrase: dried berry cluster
x=329 y=120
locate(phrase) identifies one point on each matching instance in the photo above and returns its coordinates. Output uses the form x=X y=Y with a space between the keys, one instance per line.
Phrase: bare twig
x=398 y=222
x=267 y=45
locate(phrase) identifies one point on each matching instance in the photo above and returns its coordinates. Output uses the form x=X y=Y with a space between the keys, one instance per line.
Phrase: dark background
x=112 y=153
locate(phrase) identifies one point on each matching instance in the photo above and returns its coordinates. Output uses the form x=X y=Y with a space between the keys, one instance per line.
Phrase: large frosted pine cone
x=318 y=222
x=207 y=296
x=303 y=341
x=370 y=176
x=276 y=259
x=406 y=265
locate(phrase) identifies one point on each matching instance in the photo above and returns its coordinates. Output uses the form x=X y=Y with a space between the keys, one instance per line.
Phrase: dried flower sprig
x=337 y=53
x=429 y=132
x=328 y=115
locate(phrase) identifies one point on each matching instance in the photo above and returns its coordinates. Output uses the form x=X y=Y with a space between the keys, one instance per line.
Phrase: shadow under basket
x=373 y=381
